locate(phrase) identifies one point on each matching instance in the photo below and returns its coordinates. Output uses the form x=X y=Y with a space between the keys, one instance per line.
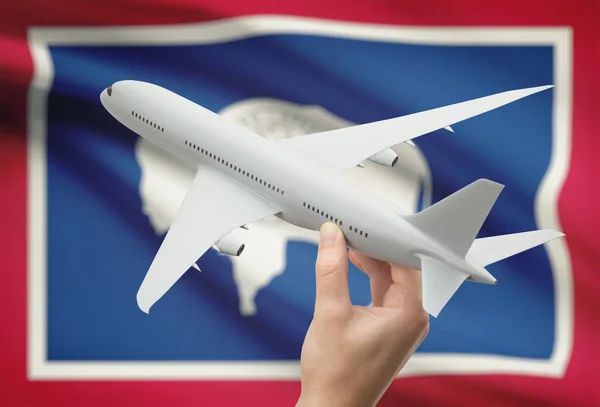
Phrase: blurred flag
x=100 y=200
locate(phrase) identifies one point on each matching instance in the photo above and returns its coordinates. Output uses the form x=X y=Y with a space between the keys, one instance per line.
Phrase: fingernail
x=329 y=233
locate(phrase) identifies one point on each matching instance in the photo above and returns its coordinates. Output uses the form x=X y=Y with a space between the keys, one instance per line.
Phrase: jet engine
x=385 y=157
x=229 y=244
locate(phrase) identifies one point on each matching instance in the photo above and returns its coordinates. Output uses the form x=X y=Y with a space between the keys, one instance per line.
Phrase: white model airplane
x=243 y=177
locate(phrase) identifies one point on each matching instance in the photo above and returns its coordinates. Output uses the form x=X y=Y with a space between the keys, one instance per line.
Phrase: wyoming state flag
x=90 y=202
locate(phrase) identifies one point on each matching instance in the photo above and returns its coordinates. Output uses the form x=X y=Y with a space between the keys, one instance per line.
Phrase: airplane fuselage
x=307 y=194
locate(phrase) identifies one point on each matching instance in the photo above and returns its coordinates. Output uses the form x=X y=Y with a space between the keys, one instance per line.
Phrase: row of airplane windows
x=320 y=212
x=360 y=232
x=332 y=219
x=147 y=121
x=233 y=167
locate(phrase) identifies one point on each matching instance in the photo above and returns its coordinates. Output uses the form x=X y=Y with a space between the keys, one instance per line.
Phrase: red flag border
x=577 y=203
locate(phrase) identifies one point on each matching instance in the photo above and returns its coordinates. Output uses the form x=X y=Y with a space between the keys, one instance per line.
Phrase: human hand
x=351 y=354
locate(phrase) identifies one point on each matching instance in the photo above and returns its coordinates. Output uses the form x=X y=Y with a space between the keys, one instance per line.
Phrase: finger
x=409 y=278
x=406 y=289
x=332 y=273
x=379 y=273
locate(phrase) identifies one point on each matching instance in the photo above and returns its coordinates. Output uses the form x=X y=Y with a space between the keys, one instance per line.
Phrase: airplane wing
x=213 y=206
x=343 y=149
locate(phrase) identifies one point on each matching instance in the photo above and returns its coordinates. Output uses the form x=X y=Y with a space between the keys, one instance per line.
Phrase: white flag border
x=546 y=203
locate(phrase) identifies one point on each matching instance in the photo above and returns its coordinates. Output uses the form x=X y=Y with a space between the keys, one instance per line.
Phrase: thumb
x=332 y=273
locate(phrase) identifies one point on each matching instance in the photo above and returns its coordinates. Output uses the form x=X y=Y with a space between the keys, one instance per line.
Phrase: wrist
x=331 y=399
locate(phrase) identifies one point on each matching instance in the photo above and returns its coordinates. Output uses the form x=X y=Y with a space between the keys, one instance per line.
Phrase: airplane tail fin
x=490 y=250
x=456 y=220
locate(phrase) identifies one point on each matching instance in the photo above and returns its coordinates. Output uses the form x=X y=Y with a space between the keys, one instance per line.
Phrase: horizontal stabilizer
x=440 y=282
x=456 y=220
x=489 y=250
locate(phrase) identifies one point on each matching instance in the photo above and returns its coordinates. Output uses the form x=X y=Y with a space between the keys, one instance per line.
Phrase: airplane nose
x=106 y=93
